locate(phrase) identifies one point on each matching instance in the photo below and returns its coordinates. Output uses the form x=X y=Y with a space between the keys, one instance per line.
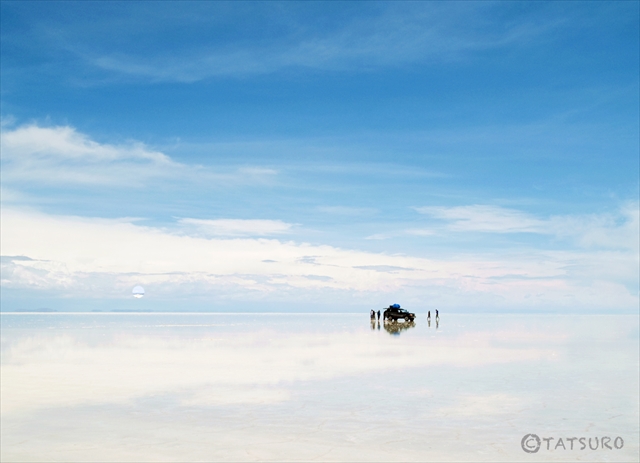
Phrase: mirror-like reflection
x=233 y=387
x=395 y=328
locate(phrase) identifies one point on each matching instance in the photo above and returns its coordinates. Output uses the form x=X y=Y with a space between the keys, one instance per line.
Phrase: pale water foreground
x=327 y=387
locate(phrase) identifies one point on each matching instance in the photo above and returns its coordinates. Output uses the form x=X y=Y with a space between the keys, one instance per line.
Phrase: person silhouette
x=437 y=314
x=429 y=315
x=373 y=314
x=378 y=315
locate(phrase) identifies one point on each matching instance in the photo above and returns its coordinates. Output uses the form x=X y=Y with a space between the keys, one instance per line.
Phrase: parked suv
x=395 y=314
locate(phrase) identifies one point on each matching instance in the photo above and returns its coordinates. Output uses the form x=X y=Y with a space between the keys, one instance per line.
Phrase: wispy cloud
x=619 y=229
x=60 y=155
x=66 y=143
x=379 y=236
x=485 y=218
x=420 y=232
x=381 y=35
x=236 y=227
x=348 y=211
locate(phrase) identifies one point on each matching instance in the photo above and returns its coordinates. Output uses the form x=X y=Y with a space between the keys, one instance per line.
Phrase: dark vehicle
x=397 y=313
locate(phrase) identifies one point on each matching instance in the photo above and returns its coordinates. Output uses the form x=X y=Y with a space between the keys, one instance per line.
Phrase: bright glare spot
x=138 y=292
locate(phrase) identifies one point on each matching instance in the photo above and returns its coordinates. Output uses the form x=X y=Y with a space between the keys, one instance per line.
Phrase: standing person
x=429 y=315
x=378 y=315
x=437 y=315
x=373 y=314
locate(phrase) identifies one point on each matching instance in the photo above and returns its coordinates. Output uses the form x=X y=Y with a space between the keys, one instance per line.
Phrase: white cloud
x=420 y=232
x=379 y=236
x=237 y=227
x=61 y=155
x=619 y=229
x=64 y=142
x=486 y=219
x=88 y=257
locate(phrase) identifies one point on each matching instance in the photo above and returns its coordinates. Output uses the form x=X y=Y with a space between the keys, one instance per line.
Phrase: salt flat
x=326 y=387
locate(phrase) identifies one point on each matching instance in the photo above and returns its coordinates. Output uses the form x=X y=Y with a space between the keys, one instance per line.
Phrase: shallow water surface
x=328 y=387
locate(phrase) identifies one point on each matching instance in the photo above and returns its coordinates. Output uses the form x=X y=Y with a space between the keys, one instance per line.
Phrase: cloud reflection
x=259 y=367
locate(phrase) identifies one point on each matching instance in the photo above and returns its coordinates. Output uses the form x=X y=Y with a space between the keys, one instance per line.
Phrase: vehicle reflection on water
x=395 y=327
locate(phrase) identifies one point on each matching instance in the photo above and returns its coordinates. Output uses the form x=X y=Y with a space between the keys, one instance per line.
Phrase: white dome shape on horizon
x=138 y=292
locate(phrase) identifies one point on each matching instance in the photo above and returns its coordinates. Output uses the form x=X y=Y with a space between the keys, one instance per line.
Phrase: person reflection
x=373 y=324
x=395 y=327
x=437 y=322
x=429 y=322
x=378 y=325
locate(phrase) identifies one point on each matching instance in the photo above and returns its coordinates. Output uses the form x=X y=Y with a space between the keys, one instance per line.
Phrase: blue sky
x=471 y=156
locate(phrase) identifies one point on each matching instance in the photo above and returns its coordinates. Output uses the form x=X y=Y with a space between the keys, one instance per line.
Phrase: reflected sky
x=176 y=387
